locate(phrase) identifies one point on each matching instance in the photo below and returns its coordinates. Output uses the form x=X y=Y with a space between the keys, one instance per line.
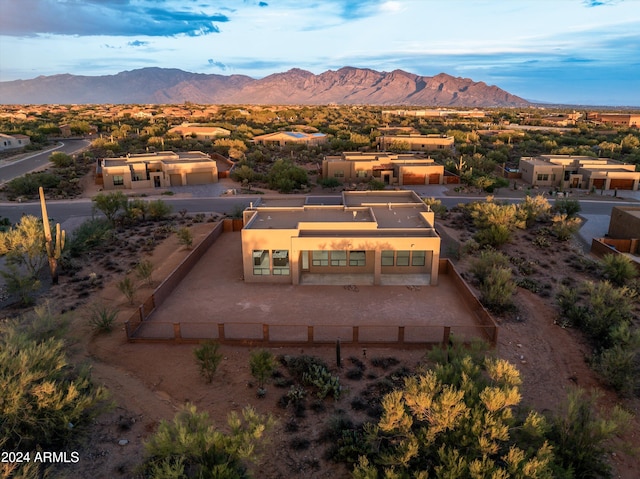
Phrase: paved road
x=36 y=161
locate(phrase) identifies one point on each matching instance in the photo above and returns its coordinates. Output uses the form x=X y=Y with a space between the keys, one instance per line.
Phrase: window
x=136 y=177
x=361 y=173
x=402 y=258
x=261 y=262
x=280 y=259
x=339 y=174
x=118 y=180
x=387 y=258
x=357 y=258
x=338 y=258
x=418 y=258
x=543 y=177
x=320 y=258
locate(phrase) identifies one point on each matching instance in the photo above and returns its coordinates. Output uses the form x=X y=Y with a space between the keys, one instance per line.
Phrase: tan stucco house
x=385 y=237
x=157 y=170
x=390 y=168
x=10 y=142
x=415 y=142
x=585 y=172
x=282 y=138
x=199 y=131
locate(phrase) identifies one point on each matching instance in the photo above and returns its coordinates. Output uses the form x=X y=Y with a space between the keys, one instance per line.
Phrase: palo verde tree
x=190 y=445
x=457 y=420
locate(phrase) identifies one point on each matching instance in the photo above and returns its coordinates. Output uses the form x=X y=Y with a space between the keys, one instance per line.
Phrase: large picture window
x=387 y=258
x=402 y=258
x=261 y=262
x=338 y=258
x=320 y=258
x=418 y=258
x=357 y=258
x=280 y=259
x=118 y=180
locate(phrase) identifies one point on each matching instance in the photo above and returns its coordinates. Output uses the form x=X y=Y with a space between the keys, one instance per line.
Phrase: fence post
x=177 y=334
x=356 y=334
x=221 y=332
x=310 y=334
x=126 y=329
x=401 y=335
x=265 y=333
x=445 y=336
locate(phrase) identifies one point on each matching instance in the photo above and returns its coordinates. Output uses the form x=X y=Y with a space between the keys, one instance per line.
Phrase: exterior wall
x=417 y=142
x=8 y=142
x=625 y=222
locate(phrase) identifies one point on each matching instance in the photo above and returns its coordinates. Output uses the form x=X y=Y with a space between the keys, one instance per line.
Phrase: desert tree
x=110 y=204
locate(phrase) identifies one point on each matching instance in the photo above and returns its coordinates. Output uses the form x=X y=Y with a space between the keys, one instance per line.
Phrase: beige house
x=282 y=138
x=390 y=168
x=618 y=119
x=415 y=142
x=199 y=131
x=155 y=170
x=10 y=142
x=585 y=172
x=371 y=238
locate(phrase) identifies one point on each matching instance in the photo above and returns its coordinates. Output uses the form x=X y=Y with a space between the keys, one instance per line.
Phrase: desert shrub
x=23 y=245
x=111 y=205
x=89 y=235
x=581 y=437
x=102 y=317
x=21 y=285
x=27 y=185
x=563 y=226
x=44 y=402
x=497 y=289
x=354 y=374
x=128 y=288
x=618 y=269
x=299 y=443
x=376 y=185
x=298 y=365
x=190 y=445
x=284 y=176
x=185 y=237
x=330 y=183
x=144 y=271
x=137 y=209
x=436 y=205
x=487 y=260
x=566 y=207
x=262 y=364
x=534 y=209
x=159 y=210
x=61 y=160
x=208 y=357
x=384 y=362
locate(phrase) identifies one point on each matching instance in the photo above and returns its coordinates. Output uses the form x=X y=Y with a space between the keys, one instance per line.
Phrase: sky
x=581 y=52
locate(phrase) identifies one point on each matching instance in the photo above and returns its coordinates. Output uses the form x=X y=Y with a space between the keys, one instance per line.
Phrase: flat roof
x=290 y=218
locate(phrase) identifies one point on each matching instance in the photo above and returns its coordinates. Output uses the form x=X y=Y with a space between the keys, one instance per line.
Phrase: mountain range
x=346 y=86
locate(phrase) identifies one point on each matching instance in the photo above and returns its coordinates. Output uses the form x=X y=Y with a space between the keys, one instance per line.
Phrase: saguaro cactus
x=54 y=251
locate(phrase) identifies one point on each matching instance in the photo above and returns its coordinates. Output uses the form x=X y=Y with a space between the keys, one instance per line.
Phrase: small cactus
x=54 y=250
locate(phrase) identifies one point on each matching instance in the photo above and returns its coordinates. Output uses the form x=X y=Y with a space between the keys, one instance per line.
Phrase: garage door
x=199 y=178
x=413 y=179
x=599 y=183
x=621 y=184
x=175 y=180
x=434 y=179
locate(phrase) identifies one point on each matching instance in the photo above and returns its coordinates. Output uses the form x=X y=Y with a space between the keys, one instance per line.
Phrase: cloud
x=137 y=43
x=598 y=3
x=263 y=4
x=213 y=63
x=105 y=17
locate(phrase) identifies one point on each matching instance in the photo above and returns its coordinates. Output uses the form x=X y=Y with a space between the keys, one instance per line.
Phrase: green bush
x=126 y=287
x=262 y=364
x=185 y=237
x=111 y=204
x=566 y=207
x=485 y=262
x=61 y=160
x=102 y=317
x=284 y=176
x=144 y=271
x=208 y=358
x=23 y=286
x=44 y=402
x=159 y=210
x=330 y=183
x=618 y=269
x=190 y=446
x=91 y=234
x=27 y=185
x=497 y=289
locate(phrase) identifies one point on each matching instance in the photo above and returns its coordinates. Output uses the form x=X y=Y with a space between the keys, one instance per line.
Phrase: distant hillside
x=350 y=86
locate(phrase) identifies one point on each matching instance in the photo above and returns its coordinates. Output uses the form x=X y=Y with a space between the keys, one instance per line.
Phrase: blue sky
x=558 y=51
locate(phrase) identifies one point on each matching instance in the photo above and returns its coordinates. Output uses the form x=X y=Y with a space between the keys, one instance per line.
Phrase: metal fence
x=298 y=335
